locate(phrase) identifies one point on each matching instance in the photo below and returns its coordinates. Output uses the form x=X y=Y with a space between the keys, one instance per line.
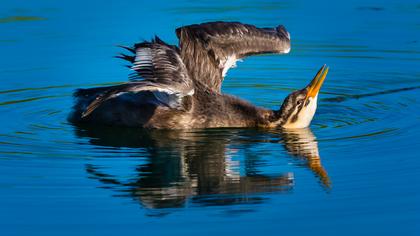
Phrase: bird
x=179 y=87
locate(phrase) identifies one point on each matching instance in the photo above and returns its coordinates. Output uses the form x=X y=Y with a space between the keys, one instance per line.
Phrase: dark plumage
x=177 y=88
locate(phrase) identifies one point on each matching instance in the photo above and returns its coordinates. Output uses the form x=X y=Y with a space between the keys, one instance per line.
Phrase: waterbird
x=179 y=87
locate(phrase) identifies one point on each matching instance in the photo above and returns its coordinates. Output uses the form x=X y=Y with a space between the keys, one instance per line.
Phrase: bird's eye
x=299 y=102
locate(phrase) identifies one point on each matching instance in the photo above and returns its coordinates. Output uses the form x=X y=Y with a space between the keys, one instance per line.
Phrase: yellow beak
x=316 y=83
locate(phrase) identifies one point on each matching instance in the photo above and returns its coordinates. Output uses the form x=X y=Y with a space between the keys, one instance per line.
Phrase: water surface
x=354 y=172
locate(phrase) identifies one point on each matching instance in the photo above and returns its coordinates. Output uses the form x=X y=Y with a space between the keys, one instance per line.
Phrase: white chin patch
x=304 y=117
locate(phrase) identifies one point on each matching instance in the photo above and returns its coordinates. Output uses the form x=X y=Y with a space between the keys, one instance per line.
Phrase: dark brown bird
x=180 y=87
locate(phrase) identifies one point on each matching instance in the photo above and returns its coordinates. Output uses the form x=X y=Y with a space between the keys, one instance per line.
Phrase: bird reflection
x=198 y=167
x=301 y=143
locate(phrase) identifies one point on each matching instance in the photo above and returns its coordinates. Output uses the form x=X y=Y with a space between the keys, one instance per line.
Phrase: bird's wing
x=210 y=49
x=158 y=69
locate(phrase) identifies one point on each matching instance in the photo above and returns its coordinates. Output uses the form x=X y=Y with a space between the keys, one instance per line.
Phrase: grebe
x=180 y=87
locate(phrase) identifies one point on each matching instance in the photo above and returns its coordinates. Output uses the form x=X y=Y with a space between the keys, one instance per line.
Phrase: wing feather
x=210 y=49
x=157 y=68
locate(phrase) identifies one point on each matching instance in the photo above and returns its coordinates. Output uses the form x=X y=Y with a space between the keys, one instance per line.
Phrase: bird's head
x=299 y=107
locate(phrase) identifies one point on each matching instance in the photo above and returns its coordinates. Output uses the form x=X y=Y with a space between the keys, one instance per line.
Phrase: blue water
x=354 y=172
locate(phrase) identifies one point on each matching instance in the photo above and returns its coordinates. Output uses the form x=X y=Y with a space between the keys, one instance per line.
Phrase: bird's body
x=204 y=110
x=180 y=88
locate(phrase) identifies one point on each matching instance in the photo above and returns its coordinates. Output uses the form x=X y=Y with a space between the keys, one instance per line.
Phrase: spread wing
x=210 y=49
x=158 y=69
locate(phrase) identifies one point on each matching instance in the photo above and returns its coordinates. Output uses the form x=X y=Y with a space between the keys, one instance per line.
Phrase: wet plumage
x=180 y=87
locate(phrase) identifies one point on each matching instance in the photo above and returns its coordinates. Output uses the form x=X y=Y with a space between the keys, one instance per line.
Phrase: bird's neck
x=276 y=118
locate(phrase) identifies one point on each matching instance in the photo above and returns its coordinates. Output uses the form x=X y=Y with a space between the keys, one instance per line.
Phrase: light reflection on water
x=356 y=168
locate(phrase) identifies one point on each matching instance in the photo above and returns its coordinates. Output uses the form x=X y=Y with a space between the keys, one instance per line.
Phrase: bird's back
x=202 y=110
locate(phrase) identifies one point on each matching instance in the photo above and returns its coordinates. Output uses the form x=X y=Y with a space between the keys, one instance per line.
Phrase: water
x=355 y=172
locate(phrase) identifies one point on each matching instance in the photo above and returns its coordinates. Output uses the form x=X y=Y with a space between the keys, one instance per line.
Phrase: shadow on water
x=197 y=166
